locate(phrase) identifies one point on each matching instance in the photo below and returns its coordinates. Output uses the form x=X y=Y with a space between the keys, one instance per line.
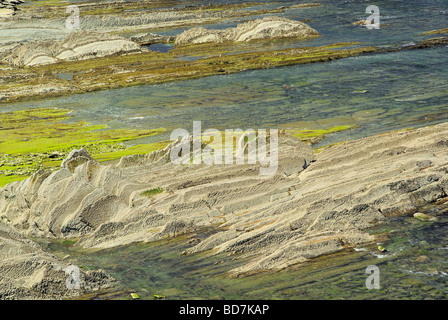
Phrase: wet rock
x=424 y=217
x=27 y=272
x=320 y=208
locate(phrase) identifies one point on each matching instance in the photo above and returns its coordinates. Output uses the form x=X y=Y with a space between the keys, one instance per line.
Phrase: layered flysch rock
x=79 y=45
x=151 y=38
x=313 y=205
x=266 y=28
x=9 y=7
x=27 y=272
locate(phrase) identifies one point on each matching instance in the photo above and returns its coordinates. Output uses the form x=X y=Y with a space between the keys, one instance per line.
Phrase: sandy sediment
x=313 y=205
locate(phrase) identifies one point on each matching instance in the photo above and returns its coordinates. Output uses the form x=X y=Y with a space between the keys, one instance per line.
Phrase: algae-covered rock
x=79 y=45
x=135 y=296
x=151 y=38
x=76 y=158
x=27 y=272
x=424 y=217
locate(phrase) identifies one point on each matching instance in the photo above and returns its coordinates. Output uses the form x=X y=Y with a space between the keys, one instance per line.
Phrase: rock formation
x=313 y=205
x=266 y=28
x=151 y=38
x=9 y=7
x=79 y=45
x=27 y=272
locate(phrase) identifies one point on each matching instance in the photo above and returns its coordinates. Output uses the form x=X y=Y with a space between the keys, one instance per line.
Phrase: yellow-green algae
x=36 y=138
x=51 y=8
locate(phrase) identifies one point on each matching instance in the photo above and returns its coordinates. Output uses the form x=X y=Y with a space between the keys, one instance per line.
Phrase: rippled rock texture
x=266 y=28
x=313 y=205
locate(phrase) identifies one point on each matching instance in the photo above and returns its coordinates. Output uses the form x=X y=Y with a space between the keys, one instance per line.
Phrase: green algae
x=152 y=192
x=438 y=31
x=315 y=135
x=37 y=138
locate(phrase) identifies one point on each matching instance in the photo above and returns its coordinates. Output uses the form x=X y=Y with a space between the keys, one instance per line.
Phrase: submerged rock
x=266 y=28
x=422 y=259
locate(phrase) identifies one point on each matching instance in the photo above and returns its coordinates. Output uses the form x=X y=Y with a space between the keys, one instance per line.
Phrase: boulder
x=86 y=45
x=424 y=217
x=151 y=38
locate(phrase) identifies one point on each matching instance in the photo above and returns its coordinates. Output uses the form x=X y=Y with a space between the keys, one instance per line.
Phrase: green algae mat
x=42 y=138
